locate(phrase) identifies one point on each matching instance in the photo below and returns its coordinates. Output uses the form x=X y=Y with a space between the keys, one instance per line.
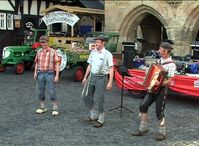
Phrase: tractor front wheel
x=78 y=73
x=19 y=68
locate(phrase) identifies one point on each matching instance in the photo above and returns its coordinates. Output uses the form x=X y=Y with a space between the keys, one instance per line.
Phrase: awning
x=74 y=10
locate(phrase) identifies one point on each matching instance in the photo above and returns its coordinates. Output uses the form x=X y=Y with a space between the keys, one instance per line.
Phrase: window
x=10 y=21
x=2 y=21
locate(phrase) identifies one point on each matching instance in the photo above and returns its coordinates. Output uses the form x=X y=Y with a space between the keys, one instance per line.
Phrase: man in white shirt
x=100 y=66
x=168 y=64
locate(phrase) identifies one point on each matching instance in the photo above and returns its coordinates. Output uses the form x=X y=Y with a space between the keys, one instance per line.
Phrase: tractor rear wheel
x=28 y=65
x=19 y=68
x=78 y=73
x=2 y=68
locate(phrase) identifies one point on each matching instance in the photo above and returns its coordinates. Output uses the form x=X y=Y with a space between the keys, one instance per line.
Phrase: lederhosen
x=158 y=97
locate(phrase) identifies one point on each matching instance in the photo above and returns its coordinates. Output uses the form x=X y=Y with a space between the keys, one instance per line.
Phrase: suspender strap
x=167 y=62
x=101 y=66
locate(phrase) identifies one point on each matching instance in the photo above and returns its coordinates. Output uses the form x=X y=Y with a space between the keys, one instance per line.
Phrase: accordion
x=156 y=72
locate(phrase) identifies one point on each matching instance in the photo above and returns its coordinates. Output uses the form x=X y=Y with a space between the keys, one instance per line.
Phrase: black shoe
x=139 y=133
x=160 y=137
x=97 y=124
x=89 y=120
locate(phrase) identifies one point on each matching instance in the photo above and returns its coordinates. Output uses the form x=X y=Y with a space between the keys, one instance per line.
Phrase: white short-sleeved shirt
x=96 y=58
x=169 y=67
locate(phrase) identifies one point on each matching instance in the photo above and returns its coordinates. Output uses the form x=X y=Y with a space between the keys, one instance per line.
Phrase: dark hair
x=167 y=46
x=43 y=38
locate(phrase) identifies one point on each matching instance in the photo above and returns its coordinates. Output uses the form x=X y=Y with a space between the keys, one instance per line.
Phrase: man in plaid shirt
x=46 y=72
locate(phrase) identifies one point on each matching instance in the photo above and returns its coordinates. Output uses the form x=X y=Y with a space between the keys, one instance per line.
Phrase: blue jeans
x=46 y=79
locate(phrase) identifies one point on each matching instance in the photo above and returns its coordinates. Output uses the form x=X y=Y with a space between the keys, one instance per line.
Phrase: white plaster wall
x=51 y=4
x=43 y=7
x=25 y=7
x=33 y=9
x=5 y=5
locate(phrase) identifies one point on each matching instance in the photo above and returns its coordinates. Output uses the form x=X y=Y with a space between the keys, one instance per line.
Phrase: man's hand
x=109 y=86
x=157 y=83
x=56 y=79
x=84 y=81
x=35 y=76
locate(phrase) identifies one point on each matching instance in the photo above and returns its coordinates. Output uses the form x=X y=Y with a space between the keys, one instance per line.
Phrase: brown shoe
x=160 y=137
x=89 y=120
x=139 y=133
x=97 y=124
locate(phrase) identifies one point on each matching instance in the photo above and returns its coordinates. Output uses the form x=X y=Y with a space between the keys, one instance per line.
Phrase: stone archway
x=191 y=32
x=192 y=25
x=134 y=18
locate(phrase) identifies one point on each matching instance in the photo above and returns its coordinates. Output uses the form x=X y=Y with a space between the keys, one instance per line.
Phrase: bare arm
x=57 y=69
x=86 y=74
x=110 y=81
x=35 y=71
x=87 y=71
x=111 y=73
x=166 y=82
x=56 y=72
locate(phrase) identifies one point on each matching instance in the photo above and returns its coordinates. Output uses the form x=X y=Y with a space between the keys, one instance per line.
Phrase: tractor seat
x=36 y=45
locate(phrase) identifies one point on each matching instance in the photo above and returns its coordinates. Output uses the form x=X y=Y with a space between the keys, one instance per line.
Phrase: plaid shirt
x=43 y=60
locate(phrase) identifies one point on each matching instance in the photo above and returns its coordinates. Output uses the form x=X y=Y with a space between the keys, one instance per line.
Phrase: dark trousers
x=159 y=99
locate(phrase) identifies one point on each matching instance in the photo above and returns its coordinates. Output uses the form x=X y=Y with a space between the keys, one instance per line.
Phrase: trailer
x=182 y=84
x=76 y=48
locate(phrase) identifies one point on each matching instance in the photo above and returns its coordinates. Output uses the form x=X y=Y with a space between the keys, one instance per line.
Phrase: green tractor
x=22 y=57
x=111 y=37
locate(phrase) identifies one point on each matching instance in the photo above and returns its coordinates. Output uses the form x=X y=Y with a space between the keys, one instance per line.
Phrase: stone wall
x=179 y=18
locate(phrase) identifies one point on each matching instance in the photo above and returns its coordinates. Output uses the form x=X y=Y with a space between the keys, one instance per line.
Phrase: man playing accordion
x=159 y=97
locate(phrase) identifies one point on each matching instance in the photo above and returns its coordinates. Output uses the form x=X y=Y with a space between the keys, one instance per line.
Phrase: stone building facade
x=177 y=20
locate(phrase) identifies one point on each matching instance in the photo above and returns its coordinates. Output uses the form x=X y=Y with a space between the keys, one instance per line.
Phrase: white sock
x=55 y=105
x=93 y=114
x=162 y=130
x=42 y=105
x=101 y=118
x=143 y=126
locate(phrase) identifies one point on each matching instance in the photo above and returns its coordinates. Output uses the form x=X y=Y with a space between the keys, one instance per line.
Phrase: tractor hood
x=10 y=50
x=17 y=48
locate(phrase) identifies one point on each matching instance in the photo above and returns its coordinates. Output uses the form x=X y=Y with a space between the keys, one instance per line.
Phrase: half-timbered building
x=16 y=16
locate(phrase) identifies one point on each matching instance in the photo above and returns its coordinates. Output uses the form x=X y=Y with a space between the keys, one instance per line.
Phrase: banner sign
x=196 y=83
x=60 y=17
x=182 y=84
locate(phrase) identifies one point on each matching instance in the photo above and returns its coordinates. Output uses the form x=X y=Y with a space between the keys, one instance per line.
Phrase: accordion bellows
x=156 y=72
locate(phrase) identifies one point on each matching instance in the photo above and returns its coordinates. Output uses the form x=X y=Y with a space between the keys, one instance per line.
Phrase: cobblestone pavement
x=20 y=126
